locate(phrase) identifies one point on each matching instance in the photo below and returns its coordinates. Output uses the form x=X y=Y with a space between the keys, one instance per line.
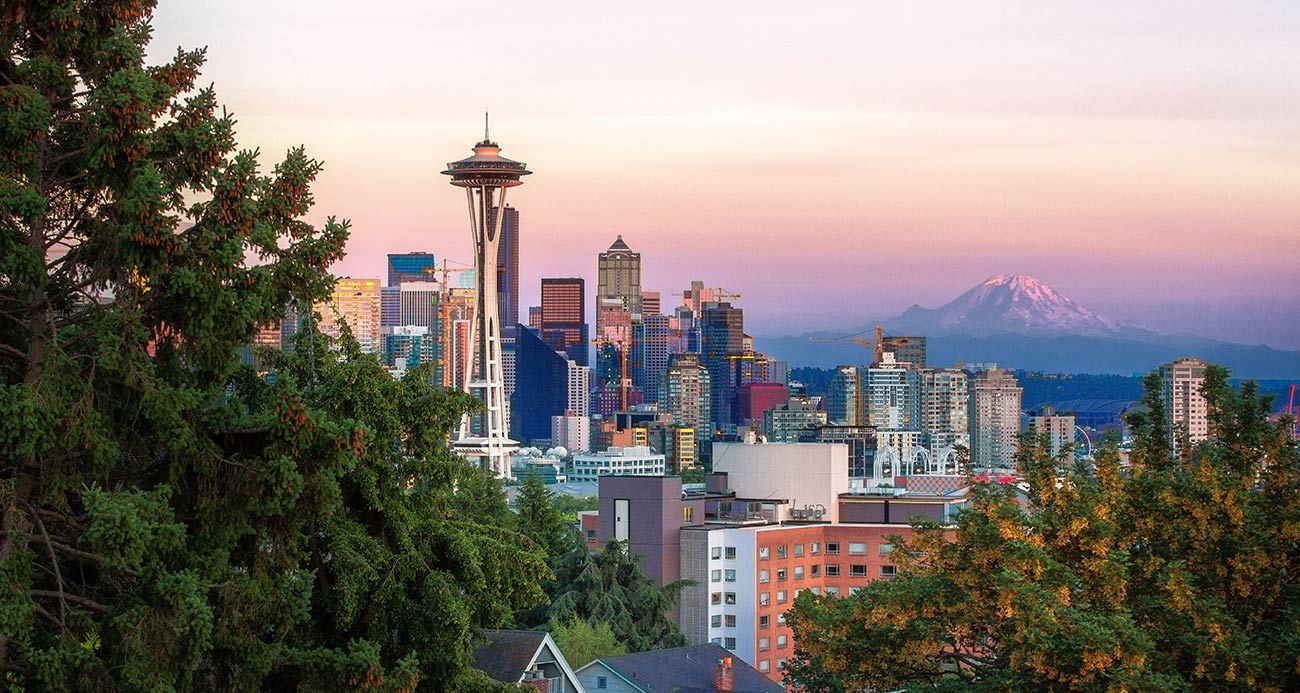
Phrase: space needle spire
x=486 y=176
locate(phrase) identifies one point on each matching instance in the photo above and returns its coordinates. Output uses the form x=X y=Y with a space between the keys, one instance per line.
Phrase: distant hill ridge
x=1021 y=322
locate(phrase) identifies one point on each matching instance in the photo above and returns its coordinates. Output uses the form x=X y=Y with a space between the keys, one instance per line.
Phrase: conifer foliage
x=168 y=519
x=1177 y=573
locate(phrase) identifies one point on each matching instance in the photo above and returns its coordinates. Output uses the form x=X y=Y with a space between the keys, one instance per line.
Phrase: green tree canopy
x=611 y=587
x=170 y=520
x=1177 y=573
x=583 y=642
x=538 y=519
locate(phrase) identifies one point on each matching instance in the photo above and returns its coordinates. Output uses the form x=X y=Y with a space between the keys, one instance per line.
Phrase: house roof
x=507 y=653
x=686 y=669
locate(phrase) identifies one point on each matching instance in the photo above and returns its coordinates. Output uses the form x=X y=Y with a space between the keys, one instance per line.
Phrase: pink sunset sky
x=832 y=162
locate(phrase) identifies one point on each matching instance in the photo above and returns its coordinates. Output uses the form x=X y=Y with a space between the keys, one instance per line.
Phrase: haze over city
x=1139 y=158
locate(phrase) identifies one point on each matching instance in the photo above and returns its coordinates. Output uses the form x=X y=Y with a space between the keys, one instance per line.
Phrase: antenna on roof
x=485 y=126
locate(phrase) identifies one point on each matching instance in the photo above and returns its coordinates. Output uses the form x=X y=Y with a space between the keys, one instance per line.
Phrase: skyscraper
x=542 y=377
x=650 y=348
x=357 y=302
x=619 y=276
x=844 y=398
x=508 y=271
x=409 y=267
x=722 y=331
x=486 y=176
x=995 y=397
x=685 y=392
x=945 y=412
x=1185 y=407
x=563 y=316
x=892 y=396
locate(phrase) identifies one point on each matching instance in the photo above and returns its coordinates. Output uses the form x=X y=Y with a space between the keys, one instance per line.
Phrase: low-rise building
x=616 y=461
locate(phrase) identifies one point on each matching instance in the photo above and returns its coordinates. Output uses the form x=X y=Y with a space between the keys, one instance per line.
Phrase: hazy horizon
x=832 y=163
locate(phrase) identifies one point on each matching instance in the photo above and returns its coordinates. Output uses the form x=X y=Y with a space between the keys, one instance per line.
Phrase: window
x=716 y=641
x=858 y=570
x=798 y=550
x=763 y=553
x=729 y=621
x=764 y=575
x=764 y=644
x=855 y=590
x=715 y=576
x=780 y=574
x=832 y=570
x=780 y=551
x=729 y=598
x=832 y=591
x=888 y=571
x=815 y=548
x=715 y=621
x=688 y=513
x=798 y=572
x=780 y=597
x=764 y=665
x=815 y=589
x=715 y=552
x=715 y=598
x=857 y=548
x=729 y=643
x=815 y=571
x=886 y=549
x=780 y=663
x=781 y=642
x=602 y=682
x=729 y=575
x=764 y=621
x=780 y=619
x=764 y=598
x=591 y=535
x=832 y=547
x=731 y=553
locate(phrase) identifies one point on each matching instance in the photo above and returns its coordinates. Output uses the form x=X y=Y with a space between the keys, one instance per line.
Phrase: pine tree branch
x=82 y=601
x=54 y=562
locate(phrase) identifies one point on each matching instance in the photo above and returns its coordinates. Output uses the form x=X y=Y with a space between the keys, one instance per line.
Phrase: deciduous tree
x=1175 y=574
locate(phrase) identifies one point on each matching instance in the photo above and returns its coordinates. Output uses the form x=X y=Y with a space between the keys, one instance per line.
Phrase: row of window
x=856 y=548
x=765 y=665
x=830 y=570
x=765 y=644
x=718 y=552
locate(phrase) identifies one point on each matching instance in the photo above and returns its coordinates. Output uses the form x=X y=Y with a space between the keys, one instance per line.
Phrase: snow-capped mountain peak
x=1008 y=303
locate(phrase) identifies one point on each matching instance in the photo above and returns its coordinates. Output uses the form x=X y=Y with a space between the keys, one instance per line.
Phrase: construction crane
x=877 y=344
x=624 y=374
x=715 y=294
x=444 y=320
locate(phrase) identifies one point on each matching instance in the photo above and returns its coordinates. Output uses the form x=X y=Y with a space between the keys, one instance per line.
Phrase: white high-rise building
x=994 y=419
x=579 y=389
x=945 y=412
x=893 y=395
x=1180 y=384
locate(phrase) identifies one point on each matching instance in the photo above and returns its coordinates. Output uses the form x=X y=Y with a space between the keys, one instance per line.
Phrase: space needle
x=485 y=176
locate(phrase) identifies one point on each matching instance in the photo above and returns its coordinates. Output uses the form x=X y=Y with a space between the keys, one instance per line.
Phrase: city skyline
x=1140 y=159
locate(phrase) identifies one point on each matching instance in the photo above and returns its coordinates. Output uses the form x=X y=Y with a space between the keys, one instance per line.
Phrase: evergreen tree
x=538 y=519
x=1175 y=574
x=611 y=587
x=168 y=519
